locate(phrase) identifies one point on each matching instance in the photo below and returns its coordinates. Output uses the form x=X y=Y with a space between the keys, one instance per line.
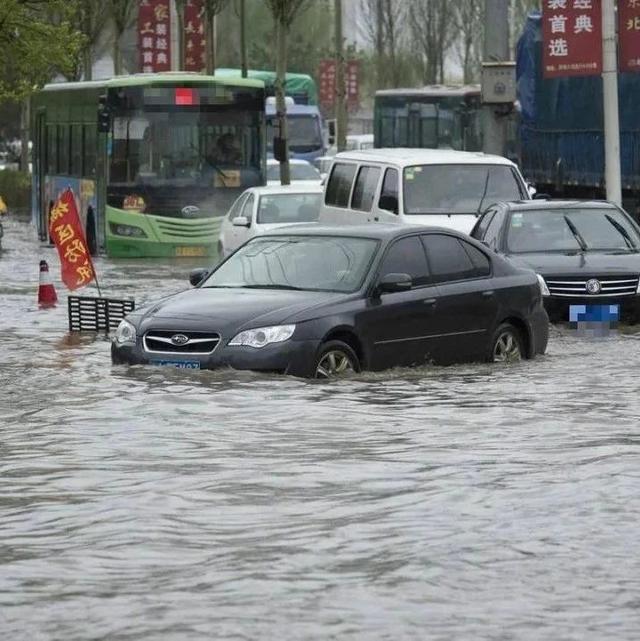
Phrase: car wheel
x=506 y=346
x=335 y=359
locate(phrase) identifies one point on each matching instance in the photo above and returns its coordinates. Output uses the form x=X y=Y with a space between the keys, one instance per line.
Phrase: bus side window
x=89 y=151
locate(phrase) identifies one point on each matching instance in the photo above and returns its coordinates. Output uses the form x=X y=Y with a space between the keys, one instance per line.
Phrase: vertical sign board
x=629 y=35
x=327 y=74
x=194 y=43
x=572 y=38
x=154 y=36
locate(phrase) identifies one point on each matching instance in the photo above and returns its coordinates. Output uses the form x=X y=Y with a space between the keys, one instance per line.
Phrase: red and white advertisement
x=154 y=35
x=327 y=75
x=571 y=38
x=194 y=42
x=629 y=35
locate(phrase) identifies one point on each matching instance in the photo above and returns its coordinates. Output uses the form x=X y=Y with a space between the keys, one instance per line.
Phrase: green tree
x=122 y=14
x=89 y=18
x=38 y=41
x=211 y=9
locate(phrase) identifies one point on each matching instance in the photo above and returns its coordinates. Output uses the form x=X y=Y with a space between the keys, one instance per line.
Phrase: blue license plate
x=178 y=364
x=594 y=313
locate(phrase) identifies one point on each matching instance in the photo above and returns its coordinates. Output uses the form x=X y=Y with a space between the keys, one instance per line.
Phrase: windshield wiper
x=484 y=193
x=623 y=232
x=274 y=286
x=576 y=233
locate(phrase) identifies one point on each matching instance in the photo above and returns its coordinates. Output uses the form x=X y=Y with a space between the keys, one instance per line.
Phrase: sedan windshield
x=311 y=263
x=289 y=208
x=457 y=189
x=571 y=230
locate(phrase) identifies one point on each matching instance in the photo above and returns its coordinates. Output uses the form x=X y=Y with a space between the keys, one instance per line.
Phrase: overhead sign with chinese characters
x=154 y=36
x=327 y=74
x=572 y=38
x=194 y=42
x=629 y=35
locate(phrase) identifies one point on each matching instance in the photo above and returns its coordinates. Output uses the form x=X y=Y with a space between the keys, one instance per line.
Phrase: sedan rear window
x=457 y=189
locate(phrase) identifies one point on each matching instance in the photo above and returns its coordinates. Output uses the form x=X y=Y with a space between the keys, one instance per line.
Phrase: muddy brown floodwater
x=472 y=502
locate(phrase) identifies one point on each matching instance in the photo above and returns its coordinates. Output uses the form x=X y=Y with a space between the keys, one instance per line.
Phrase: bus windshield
x=173 y=158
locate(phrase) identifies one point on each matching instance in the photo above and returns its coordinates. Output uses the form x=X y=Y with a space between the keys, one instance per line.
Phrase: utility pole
x=612 y=169
x=496 y=49
x=341 y=104
x=243 y=39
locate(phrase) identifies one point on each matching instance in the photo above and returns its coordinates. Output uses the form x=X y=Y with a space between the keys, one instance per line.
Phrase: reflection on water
x=470 y=502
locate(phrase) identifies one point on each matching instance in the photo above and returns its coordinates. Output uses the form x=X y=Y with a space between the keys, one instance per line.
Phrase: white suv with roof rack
x=418 y=186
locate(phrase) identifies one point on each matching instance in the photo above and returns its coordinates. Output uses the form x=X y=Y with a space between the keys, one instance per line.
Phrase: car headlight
x=544 y=290
x=127 y=230
x=264 y=336
x=126 y=333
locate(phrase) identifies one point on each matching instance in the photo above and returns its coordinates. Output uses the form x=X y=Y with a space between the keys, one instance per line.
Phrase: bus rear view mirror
x=104 y=115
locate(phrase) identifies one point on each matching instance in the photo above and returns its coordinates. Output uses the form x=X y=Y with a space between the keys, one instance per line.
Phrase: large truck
x=562 y=127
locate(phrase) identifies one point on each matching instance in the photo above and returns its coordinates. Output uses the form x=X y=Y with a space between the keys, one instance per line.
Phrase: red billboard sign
x=327 y=75
x=572 y=38
x=154 y=35
x=194 y=42
x=629 y=35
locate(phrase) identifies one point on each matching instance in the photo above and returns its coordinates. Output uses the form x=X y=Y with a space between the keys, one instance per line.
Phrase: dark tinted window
x=390 y=185
x=406 y=256
x=52 y=150
x=492 y=234
x=76 y=150
x=483 y=223
x=90 y=145
x=365 y=189
x=339 y=187
x=479 y=259
x=447 y=258
x=63 y=149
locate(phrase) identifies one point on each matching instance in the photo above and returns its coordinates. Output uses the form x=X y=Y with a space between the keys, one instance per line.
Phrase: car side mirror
x=241 y=221
x=389 y=203
x=532 y=190
x=390 y=283
x=197 y=276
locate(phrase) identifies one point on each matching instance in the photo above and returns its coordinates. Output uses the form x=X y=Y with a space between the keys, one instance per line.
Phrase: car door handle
x=431 y=302
x=488 y=293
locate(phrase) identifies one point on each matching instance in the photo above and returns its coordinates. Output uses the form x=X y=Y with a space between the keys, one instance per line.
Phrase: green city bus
x=431 y=117
x=154 y=160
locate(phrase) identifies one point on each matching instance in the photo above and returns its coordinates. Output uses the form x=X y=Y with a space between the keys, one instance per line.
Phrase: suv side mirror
x=196 y=276
x=241 y=221
x=389 y=203
x=390 y=283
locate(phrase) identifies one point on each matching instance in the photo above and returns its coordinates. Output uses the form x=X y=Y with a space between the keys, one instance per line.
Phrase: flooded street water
x=473 y=502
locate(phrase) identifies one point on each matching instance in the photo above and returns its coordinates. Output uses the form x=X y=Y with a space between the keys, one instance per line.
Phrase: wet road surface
x=473 y=502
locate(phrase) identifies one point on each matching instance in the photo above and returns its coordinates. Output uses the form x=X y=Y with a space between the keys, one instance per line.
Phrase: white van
x=418 y=186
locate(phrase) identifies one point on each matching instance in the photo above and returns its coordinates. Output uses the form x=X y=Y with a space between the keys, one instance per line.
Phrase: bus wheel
x=92 y=244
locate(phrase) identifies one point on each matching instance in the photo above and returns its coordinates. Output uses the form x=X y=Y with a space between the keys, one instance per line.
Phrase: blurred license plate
x=178 y=364
x=594 y=313
x=191 y=251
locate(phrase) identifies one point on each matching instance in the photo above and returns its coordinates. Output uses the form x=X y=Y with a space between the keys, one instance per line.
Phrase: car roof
x=537 y=205
x=405 y=157
x=377 y=231
x=293 y=188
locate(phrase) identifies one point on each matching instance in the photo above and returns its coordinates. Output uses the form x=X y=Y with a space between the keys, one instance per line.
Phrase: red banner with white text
x=629 y=35
x=194 y=43
x=66 y=230
x=571 y=38
x=154 y=35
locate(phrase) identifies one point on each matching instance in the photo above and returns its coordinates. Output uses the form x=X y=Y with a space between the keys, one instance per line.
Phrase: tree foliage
x=37 y=40
x=88 y=18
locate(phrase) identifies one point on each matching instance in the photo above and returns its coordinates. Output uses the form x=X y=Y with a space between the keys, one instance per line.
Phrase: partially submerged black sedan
x=317 y=302
x=587 y=252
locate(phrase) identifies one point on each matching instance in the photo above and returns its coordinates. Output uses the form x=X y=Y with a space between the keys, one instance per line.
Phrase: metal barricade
x=90 y=314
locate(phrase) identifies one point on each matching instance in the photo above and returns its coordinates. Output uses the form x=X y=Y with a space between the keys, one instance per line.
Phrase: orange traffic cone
x=47 y=296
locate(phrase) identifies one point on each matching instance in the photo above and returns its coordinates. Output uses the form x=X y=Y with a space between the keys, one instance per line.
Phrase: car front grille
x=173 y=342
x=179 y=229
x=610 y=286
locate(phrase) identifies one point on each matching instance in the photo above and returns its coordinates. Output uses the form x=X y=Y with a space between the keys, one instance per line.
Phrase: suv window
x=492 y=233
x=406 y=256
x=339 y=186
x=448 y=260
x=389 y=187
x=365 y=189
